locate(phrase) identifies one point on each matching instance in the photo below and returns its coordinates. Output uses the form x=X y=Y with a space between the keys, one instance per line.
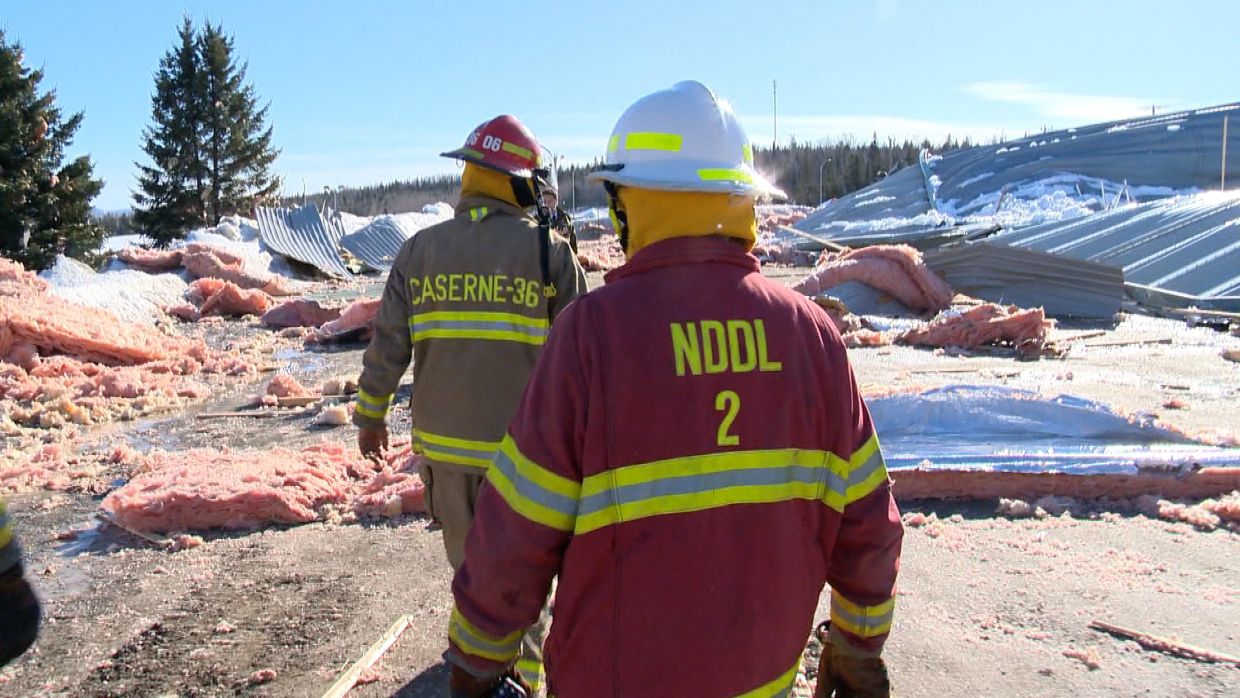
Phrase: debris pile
x=895 y=269
x=204 y=261
x=61 y=362
x=356 y=323
x=202 y=489
x=603 y=254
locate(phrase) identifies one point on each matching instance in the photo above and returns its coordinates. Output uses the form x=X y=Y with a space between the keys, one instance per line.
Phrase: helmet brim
x=709 y=178
x=477 y=158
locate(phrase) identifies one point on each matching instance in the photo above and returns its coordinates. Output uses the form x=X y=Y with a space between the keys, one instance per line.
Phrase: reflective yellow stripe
x=518 y=150
x=779 y=687
x=532 y=490
x=613 y=143
x=477 y=213
x=473 y=641
x=532 y=671
x=6 y=535
x=747 y=153
x=450 y=449
x=371 y=406
x=725 y=175
x=712 y=480
x=509 y=327
x=862 y=621
x=653 y=141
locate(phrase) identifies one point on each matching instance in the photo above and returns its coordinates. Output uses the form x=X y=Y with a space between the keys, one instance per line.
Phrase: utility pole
x=774 y=114
x=820 y=166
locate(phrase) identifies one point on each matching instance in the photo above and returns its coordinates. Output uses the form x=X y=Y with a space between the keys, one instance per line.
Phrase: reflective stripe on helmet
x=726 y=175
x=613 y=143
x=669 y=142
x=518 y=150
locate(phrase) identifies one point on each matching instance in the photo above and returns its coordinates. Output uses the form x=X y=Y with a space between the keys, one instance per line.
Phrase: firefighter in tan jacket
x=470 y=300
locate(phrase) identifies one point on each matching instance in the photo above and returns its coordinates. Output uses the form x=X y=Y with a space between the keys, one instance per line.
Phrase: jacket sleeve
x=526 y=509
x=387 y=357
x=10 y=553
x=570 y=278
x=864 y=556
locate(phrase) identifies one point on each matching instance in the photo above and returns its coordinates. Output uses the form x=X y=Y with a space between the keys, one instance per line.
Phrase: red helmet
x=502 y=144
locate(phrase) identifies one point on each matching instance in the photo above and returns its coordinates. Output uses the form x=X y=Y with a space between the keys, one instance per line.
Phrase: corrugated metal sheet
x=1030 y=278
x=1180 y=251
x=377 y=243
x=304 y=235
x=1176 y=151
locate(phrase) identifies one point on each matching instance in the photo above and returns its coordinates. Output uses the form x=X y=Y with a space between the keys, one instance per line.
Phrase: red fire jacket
x=693 y=459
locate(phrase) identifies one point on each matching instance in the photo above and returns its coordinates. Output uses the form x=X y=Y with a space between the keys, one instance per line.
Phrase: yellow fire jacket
x=466 y=301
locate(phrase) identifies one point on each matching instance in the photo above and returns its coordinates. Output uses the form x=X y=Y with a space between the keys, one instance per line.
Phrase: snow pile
x=204 y=488
x=132 y=296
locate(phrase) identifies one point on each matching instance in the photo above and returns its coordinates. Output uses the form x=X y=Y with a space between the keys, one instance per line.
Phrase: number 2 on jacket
x=728 y=402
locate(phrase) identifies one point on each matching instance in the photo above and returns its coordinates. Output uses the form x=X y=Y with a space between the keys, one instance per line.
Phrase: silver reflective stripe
x=707 y=482
x=531 y=490
x=464 y=327
x=869 y=625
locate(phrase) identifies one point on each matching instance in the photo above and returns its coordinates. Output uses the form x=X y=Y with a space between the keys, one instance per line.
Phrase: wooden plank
x=345 y=683
x=1075 y=337
x=1204 y=313
x=1131 y=342
x=833 y=246
x=1162 y=644
x=252 y=414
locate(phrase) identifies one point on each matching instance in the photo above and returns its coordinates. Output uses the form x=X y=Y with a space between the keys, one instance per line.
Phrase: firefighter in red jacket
x=692 y=457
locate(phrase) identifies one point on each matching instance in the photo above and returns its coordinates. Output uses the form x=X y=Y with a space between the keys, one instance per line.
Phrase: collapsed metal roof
x=1177 y=252
x=377 y=243
x=1062 y=286
x=1145 y=158
x=305 y=235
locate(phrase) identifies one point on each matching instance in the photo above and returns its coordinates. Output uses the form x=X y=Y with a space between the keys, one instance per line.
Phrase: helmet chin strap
x=618 y=217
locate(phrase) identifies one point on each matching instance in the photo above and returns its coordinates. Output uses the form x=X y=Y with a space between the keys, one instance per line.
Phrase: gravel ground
x=988 y=605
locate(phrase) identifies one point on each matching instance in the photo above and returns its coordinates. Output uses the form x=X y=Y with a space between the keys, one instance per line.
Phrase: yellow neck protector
x=659 y=215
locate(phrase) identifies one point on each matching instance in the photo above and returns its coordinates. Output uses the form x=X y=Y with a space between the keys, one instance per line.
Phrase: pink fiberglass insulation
x=30 y=316
x=299 y=312
x=865 y=338
x=202 y=488
x=151 y=260
x=895 y=269
x=208 y=262
x=984 y=324
x=231 y=300
x=603 y=254
x=358 y=315
x=284 y=385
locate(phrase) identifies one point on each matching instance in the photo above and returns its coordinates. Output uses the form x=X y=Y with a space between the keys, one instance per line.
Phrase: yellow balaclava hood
x=483 y=181
x=654 y=215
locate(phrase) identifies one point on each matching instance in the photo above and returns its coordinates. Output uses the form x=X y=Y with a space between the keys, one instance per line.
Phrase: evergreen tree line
x=44 y=201
x=208 y=143
x=846 y=165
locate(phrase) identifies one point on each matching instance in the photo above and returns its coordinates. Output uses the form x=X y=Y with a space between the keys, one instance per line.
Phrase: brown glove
x=845 y=673
x=372 y=441
x=20 y=610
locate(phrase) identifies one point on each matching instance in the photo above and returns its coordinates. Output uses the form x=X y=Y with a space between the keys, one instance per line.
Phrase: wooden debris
x=1131 y=342
x=347 y=680
x=1204 y=313
x=253 y=414
x=1075 y=337
x=828 y=244
x=1159 y=644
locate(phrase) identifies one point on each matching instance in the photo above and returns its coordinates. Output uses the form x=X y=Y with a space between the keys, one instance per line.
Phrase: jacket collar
x=678 y=251
x=492 y=205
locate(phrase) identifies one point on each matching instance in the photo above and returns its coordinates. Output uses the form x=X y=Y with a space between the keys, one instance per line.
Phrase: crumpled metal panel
x=1187 y=246
x=1029 y=278
x=305 y=235
x=377 y=243
x=1152 y=155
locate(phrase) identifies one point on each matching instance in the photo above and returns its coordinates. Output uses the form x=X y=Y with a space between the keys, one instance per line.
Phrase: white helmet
x=682 y=139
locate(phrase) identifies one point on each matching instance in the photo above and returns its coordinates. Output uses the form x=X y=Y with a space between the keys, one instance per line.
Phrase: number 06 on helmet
x=683 y=139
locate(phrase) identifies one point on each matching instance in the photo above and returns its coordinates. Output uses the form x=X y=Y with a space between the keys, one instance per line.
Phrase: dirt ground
x=988 y=605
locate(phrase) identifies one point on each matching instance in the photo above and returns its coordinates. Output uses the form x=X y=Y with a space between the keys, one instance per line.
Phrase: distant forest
x=844 y=166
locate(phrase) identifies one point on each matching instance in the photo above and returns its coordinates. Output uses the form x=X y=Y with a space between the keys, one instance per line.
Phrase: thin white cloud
x=885 y=10
x=1064 y=107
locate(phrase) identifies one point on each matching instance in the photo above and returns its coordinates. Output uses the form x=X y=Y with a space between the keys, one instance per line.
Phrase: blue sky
x=368 y=91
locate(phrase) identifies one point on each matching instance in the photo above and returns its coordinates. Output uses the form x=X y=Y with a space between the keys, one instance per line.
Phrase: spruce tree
x=208 y=143
x=44 y=204
x=238 y=141
x=172 y=189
